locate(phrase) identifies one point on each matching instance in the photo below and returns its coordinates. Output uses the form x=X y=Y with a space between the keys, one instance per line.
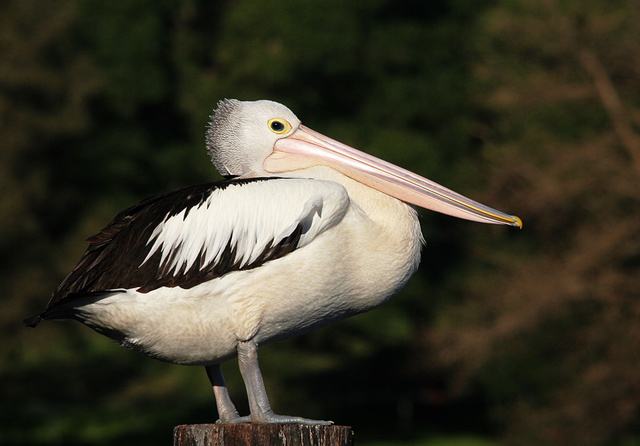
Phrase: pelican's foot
x=234 y=420
x=259 y=406
x=286 y=419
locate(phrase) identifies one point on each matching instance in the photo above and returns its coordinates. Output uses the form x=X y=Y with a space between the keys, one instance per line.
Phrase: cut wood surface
x=261 y=434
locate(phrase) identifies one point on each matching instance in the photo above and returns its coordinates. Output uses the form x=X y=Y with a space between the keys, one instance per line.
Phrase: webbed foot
x=234 y=420
x=271 y=417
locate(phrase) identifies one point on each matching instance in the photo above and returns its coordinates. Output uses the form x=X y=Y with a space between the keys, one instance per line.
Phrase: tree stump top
x=247 y=434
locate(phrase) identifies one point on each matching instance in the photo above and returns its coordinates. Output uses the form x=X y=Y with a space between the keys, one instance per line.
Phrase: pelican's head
x=263 y=138
x=242 y=134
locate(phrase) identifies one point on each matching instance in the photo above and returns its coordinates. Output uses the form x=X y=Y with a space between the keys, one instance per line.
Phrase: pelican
x=303 y=231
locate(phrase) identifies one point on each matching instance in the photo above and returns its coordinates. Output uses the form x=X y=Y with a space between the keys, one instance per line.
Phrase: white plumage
x=250 y=218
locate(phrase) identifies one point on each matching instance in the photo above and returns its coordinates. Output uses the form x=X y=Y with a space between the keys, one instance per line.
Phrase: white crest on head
x=239 y=138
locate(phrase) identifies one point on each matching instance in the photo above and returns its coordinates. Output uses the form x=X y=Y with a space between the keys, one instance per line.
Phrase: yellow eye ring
x=279 y=125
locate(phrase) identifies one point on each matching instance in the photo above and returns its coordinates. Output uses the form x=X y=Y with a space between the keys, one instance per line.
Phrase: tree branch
x=620 y=118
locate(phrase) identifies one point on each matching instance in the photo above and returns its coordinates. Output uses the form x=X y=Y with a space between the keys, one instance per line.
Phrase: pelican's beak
x=306 y=148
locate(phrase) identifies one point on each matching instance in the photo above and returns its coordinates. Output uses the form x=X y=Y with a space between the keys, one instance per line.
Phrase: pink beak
x=305 y=147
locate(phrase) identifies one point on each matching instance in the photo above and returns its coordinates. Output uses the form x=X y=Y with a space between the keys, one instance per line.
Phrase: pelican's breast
x=349 y=269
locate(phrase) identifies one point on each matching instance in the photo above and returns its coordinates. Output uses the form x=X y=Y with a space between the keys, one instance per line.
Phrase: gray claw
x=235 y=420
x=286 y=419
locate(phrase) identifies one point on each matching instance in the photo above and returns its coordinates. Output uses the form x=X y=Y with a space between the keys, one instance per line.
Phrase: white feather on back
x=251 y=217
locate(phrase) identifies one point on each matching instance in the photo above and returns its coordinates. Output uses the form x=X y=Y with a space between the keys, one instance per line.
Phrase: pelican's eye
x=279 y=125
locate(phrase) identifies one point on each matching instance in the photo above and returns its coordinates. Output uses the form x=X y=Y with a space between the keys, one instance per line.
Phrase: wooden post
x=248 y=434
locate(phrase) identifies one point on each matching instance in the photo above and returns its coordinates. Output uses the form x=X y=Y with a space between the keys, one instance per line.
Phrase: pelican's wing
x=196 y=234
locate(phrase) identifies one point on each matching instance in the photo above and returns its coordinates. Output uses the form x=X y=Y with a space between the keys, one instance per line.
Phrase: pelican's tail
x=33 y=321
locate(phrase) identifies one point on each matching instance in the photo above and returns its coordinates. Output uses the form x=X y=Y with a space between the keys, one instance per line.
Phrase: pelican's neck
x=378 y=206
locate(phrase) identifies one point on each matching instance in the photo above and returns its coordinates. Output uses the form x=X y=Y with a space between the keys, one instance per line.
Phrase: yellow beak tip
x=517 y=221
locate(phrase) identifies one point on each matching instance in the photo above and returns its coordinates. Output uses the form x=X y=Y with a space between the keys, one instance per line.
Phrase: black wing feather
x=115 y=255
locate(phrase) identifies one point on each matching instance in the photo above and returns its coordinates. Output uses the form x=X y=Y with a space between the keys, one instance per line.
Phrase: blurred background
x=502 y=337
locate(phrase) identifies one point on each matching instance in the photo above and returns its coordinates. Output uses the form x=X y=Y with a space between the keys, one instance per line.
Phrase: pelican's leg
x=256 y=393
x=226 y=409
